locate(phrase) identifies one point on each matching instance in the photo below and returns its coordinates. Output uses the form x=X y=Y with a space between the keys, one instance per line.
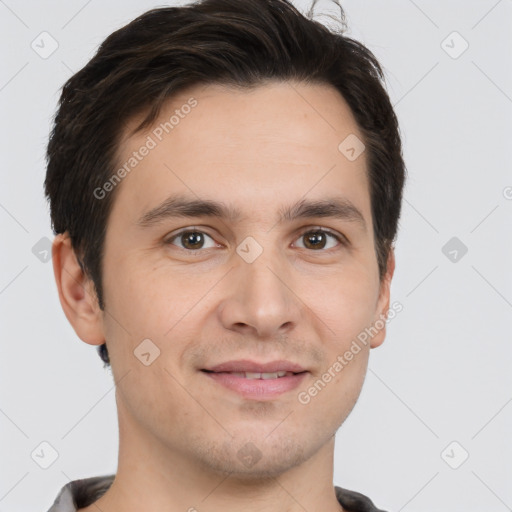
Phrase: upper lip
x=245 y=365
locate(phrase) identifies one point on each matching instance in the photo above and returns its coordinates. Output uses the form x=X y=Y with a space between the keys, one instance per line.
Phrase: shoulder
x=354 y=501
x=81 y=493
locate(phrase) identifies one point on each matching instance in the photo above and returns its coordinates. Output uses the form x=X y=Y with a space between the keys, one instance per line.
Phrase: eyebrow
x=180 y=206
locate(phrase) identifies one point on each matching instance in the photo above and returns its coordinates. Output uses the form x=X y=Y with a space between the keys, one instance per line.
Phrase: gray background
x=443 y=373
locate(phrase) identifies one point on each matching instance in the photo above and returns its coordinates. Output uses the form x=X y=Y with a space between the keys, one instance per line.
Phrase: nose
x=259 y=299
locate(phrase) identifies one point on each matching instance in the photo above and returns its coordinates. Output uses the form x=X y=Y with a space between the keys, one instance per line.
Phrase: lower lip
x=258 y=388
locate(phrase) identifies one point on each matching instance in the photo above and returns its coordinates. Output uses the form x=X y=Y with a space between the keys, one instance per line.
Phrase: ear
x=381 y=312
x=76 y=293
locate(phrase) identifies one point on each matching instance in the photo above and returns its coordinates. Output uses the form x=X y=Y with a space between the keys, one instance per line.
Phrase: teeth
x=265 y=376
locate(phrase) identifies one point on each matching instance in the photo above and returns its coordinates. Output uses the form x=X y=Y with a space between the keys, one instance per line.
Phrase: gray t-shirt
x=82 y=493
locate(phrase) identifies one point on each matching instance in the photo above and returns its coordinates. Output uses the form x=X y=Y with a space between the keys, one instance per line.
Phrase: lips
x=256 y=375
x=246 y=366
x=257 y=386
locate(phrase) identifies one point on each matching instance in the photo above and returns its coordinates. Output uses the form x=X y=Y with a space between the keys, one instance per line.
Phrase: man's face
x=204 y=293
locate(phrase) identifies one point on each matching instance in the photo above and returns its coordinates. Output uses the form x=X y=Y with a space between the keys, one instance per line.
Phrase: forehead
x=244 y=147
x=278 y=111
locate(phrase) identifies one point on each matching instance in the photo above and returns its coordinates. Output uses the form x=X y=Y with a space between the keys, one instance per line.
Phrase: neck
x=152 y=477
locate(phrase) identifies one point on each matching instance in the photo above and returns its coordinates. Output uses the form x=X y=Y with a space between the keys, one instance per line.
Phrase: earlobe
x=76 y=293
x=383 y=302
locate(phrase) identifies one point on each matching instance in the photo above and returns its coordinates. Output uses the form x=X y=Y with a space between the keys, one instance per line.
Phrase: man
x=225 y=182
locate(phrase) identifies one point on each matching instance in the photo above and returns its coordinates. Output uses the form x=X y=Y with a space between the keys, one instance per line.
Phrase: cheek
x=140 y=300
x=336 y=389
x=152 y=395
x=146 y=305
x=137 y=311
x=345 y=303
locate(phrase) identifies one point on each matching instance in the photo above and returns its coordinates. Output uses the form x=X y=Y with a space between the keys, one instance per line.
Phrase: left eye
x=315 y=239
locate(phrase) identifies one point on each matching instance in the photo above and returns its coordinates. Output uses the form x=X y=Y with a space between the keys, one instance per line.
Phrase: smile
x=260 y=386
x=255 y=375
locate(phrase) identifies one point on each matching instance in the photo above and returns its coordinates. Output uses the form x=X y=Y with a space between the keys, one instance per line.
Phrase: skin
x=180 y=431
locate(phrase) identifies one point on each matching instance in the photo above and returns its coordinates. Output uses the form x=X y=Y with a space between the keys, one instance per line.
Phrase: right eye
x=191 y=239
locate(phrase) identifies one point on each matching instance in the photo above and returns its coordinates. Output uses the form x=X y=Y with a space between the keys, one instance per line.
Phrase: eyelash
x=339 y=238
